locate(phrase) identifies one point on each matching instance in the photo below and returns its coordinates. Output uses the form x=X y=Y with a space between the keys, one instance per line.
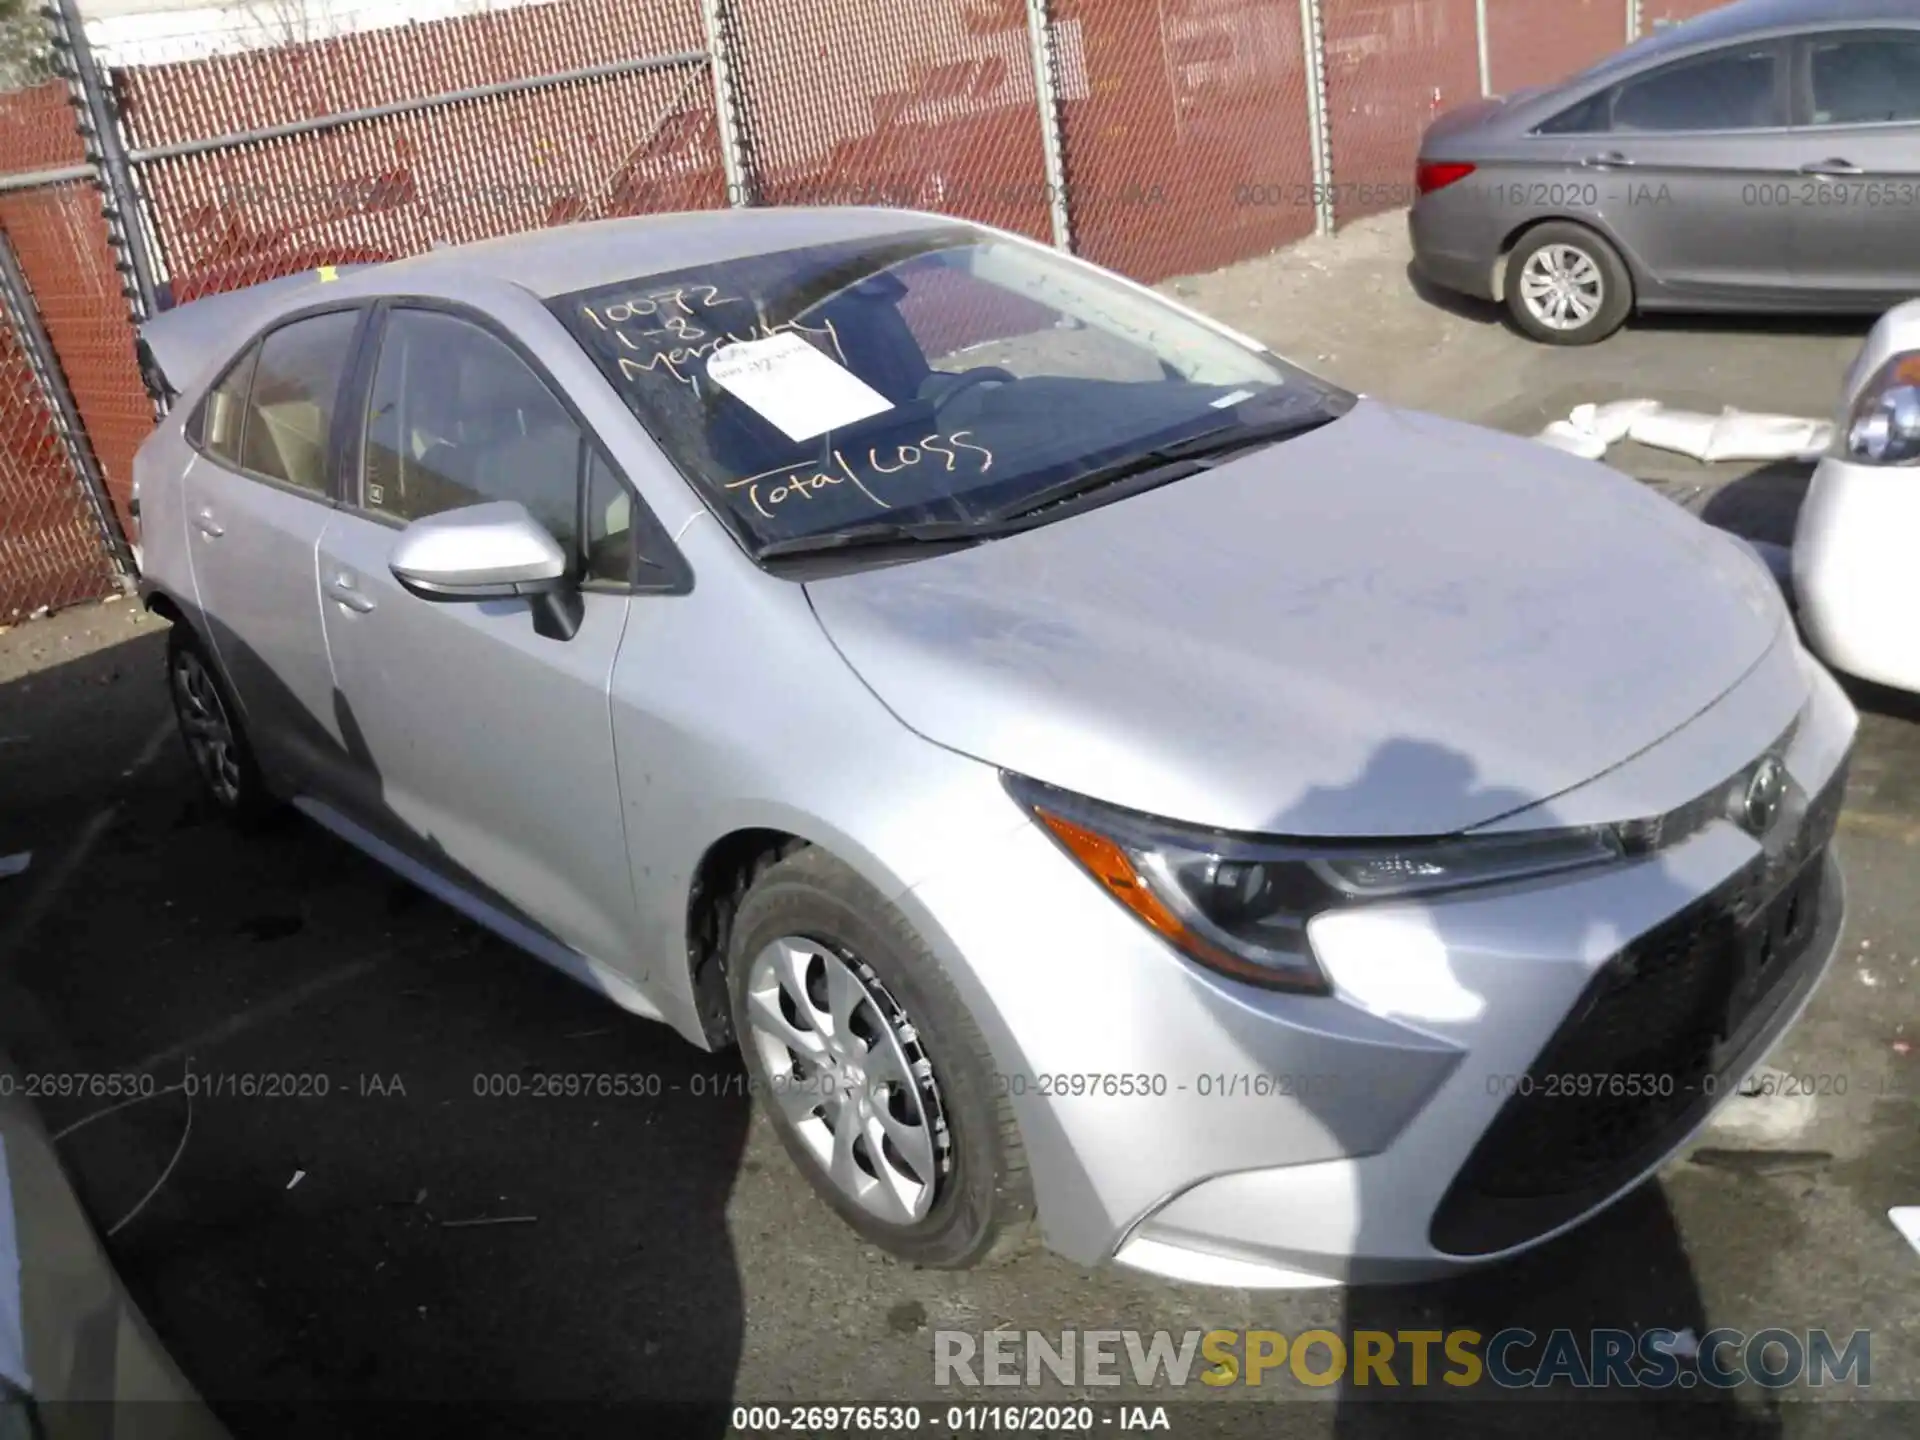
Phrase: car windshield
x=939 y=378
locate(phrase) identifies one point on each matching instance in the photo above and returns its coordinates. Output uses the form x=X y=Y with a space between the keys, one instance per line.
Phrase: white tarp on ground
x=1591 y=430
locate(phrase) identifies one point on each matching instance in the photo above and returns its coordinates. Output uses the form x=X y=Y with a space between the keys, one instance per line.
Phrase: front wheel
x=1567 y=286
x=872 y=1070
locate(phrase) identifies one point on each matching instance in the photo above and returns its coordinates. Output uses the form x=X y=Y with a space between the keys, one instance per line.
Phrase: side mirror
x=489 y=552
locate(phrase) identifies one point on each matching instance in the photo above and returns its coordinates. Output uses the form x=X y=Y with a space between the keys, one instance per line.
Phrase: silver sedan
x=1765 y=156
x=1095 y=770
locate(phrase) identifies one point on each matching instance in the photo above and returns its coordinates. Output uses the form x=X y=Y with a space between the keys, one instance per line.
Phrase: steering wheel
x=967 y=379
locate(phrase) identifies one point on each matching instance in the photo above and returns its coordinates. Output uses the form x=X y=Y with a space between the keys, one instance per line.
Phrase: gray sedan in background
x=1765 y=156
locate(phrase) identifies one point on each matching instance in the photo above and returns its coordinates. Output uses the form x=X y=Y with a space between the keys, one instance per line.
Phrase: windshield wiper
x=1224 y=441
x=1159 y=466
x=873 y=532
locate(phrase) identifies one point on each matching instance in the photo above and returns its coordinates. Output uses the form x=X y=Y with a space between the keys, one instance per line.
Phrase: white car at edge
x=1856 y=553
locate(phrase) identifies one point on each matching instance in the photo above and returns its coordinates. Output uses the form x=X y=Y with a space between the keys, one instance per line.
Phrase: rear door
x=1677 y=154
x=480 y=748
x=257 y=496
x=1855 y=195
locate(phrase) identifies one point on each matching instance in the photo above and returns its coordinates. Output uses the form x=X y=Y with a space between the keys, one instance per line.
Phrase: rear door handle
x=342 y=589
x=1832 y=167
x=1611 y=160
x=208 y=526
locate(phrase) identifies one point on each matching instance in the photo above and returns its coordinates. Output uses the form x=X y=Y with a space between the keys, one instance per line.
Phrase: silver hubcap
x=1562 y=287
x=848 y=1076
x=203 y=720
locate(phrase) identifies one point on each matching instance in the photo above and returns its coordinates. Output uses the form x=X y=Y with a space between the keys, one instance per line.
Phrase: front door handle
x=1834 y=166
x=1610 y=160
x=342 y=589
x=208 y=526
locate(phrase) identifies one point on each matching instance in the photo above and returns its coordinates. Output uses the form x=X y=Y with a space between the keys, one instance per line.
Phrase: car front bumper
x=1212 y=1132
x=1854 y=580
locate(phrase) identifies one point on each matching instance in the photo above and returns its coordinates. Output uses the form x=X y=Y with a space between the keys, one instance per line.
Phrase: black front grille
x=1651 y=1043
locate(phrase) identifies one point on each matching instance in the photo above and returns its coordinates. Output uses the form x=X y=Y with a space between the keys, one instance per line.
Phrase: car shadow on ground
x=391 y=1176
x=1625 y=1270
x=370 y=1216
x=1763 y=504
x=1702 y=322
x=1492 y=312
x=1467 y=307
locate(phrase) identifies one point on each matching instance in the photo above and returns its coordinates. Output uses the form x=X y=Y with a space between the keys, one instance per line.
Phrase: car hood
x=1393 y=625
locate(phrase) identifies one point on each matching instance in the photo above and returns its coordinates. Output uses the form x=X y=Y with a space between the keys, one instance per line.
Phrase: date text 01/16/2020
x=631 y=1085
x=951 y=1420
x=1207 y=1085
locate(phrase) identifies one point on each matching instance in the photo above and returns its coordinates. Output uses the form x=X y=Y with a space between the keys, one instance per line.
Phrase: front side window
x=457 y=418
x=1865 y=79
x=289 y=412
x=610 y=516
x=939 y=375
x=1586 y=118
x=1734 y=89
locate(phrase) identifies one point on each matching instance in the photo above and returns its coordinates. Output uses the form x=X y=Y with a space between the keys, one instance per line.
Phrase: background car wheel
x=1568 y=286
x=872 y=1070
x=210 y=726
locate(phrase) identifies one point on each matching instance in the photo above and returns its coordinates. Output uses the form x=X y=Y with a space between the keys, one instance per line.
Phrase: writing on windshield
x=919 y=376
x=673 y=330
x=866 y=471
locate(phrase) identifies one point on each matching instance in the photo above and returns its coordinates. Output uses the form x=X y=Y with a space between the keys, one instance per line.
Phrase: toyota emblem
x=1766 y=793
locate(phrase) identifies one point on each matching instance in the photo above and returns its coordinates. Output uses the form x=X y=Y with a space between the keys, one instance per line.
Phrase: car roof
x=582 y=256
x=1752 y=17
x=187 y=342
x=1725 y=26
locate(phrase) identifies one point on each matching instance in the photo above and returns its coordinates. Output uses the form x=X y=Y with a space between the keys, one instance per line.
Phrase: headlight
x=1240 y=904
x=1884 y=428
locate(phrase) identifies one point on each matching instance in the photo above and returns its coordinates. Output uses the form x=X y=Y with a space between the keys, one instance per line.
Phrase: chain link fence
x=1655 y=14
x=299 y=136
x=70 y=269
x=77 y=288
x=1391 y=68
x=930 y=104
x=52 y=548
x=1189 y=138
x=1521 y=51
x=152 y=157
x=58 y=545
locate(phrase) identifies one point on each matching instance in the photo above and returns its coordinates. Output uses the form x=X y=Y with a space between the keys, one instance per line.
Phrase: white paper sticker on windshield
x=801 y=391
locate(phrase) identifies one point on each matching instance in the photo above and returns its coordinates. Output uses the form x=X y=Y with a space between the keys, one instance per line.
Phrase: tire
x=229 y=775
x=1573 y=252
x=809 y=912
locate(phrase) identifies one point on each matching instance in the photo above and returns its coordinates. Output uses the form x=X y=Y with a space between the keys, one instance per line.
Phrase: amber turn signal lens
x=1110 y=865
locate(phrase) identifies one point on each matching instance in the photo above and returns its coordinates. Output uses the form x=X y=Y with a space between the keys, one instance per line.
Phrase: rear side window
x=1736 y=89
x=1589 y=116
x=1865 y=79
x=219 y=425
x=289 y=412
